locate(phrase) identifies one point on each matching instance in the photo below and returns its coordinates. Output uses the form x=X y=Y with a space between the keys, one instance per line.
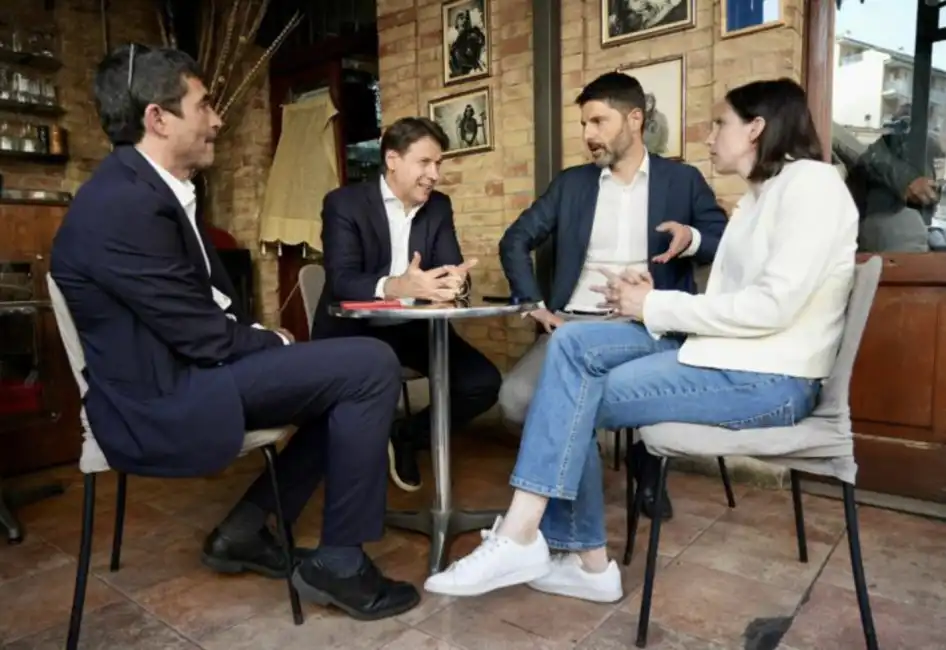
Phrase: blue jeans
x=615 y=375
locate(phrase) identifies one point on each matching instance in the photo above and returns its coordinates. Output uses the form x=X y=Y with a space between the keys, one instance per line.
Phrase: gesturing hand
x=458 y=275
x=681 y=238
x=435 y=284
x=625 y=293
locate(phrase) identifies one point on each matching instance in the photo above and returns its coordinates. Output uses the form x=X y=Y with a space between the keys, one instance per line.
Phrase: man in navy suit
x=176 y=375
x=394 y=237
x=627 y=209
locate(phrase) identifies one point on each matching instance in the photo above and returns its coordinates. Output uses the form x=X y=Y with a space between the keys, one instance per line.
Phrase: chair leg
x=285 y=533
x=799 y=517
x=857 y=567
x=633 y=503
x=85 y=557
x=643 y=621
x=727 y=484
x=119 y=522
x=618 y=434
x=407 y=398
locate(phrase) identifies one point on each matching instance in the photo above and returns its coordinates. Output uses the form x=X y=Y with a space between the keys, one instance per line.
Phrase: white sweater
x=779 y=286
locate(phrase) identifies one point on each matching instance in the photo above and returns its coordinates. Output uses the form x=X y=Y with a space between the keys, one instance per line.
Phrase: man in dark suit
x=176 y=376
x=627 y=209
x=393 y=237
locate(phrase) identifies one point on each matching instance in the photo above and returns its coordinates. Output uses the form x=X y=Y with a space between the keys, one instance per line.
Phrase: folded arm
x=143 y=263
x=527 y=233
x=804 y=246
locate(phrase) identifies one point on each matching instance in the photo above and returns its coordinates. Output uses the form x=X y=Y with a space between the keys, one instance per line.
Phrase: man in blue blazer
x=177 y=375
x=393 y=237
x=628 y=208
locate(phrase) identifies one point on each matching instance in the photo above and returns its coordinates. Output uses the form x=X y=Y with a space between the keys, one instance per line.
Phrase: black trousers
x=474 y=380
x=342 y=394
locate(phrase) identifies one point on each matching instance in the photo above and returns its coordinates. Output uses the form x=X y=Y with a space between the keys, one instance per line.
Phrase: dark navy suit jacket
x=356 y=245
x=677 y=192
x=161 y=398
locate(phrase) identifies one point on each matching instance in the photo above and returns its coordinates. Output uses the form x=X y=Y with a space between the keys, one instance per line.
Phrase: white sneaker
x=569 y=578
x=497 y=562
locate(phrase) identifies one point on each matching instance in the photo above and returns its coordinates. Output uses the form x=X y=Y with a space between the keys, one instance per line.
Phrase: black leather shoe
x=643 y=468
x=650 y=503
x=366 y=596
x=402 y=460
x=260 y=554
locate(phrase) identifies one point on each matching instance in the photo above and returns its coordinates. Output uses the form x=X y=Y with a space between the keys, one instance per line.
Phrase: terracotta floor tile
x=772 y=510
x=830 y=621
x=465 y=624
x=710 y=604
x=33 y=555
x=767 y=556
x=619 y=632
x=42 y=600
x=417 y=640
x=113 y=627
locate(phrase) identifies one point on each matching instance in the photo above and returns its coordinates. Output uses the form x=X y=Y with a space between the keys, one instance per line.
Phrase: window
x=889 y=148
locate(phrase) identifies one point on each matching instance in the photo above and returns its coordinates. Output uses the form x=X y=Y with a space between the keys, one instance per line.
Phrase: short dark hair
x=157 y=76
x=789 y=132
x=406 y=131
x=623 y=92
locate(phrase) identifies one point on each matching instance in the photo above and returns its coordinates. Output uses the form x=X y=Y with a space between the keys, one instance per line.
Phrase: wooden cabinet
x=34 y=438
x=898 y=393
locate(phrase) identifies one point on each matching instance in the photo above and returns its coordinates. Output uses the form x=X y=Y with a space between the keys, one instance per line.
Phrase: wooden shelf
x=8 y=106
x=35 y=61
x=34 y=157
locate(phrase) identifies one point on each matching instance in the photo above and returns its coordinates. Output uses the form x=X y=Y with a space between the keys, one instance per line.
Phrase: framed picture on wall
x=748 y=16
x=466 y=40
x=629 y=20
x=467 y=119
x=664 y=84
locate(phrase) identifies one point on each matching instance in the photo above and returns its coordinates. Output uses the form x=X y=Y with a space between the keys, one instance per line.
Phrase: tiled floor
x=726 y=577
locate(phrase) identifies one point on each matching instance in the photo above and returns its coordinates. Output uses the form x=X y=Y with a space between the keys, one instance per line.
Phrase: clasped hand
x=440 y=284
x=624 y=293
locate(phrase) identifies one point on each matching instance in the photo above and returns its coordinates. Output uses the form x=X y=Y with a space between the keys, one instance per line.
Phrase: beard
x=606 y=154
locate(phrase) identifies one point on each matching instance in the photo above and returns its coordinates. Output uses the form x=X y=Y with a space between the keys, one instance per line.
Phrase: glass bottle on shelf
x=6 y=135
x=6 y=84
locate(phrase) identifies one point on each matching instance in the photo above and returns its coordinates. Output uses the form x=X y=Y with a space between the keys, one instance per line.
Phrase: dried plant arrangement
x=224 y=36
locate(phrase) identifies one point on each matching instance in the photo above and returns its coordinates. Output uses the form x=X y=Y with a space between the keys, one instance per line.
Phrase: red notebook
x=371 y=304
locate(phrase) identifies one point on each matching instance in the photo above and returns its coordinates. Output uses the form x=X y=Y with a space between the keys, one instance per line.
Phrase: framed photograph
x=467 y=119
x=630 y=20
x=664 y=84
x=749 y=16
x=466 y=40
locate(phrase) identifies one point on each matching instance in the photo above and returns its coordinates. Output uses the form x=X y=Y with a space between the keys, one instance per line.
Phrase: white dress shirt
x=400 y=221
x=778 y=290
x=187 y=196
x=619 y=235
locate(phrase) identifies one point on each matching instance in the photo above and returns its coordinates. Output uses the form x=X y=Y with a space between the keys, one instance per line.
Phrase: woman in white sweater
x=751 y=352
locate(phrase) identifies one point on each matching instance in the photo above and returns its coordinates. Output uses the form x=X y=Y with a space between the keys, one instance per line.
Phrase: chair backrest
x=311 y=284
x=92 y=459
x=835 y=393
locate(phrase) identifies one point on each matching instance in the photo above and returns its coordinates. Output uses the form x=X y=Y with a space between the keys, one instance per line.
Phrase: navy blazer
x=566 y=212
x=356 y=245
x=161 y=399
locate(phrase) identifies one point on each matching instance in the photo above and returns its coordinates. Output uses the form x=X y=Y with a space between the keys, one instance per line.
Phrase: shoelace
x=491 y=541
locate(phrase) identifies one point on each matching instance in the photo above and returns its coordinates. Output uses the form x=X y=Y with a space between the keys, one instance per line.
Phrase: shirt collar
x=386 y=192
x=182 y=190
x=644 y=169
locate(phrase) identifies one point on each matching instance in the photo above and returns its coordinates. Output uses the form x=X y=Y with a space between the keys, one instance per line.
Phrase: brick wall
x=489 y=190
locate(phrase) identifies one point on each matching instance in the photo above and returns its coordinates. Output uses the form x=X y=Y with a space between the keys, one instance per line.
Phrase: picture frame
x=465 y=41
x=742 y=17
x=664 y=83
x=467 y=119
x=623 y=21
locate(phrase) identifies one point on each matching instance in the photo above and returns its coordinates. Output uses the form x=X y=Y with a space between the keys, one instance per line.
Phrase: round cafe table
x=440 y=522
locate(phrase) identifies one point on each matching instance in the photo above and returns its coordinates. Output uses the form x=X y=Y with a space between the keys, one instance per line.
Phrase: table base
x=441 y=527
x=10 y=501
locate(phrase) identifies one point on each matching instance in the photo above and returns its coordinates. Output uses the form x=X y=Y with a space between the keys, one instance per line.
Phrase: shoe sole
x=234 y=567
x=522 y=576
x=392 y=469
x=319 y=597
x=570 y=591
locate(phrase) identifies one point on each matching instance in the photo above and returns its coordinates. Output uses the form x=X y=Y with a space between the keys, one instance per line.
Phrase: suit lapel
x=658 y=187
x=378 y=217
x=130 y=157
x=419 y=239
x=587 y=204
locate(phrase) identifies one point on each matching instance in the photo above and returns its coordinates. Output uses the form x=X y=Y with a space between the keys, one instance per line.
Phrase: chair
x=822 y=444
x=311 y=284
x=92 y=462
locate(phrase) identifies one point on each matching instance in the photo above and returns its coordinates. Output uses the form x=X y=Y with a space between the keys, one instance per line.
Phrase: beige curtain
x=304 y=170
